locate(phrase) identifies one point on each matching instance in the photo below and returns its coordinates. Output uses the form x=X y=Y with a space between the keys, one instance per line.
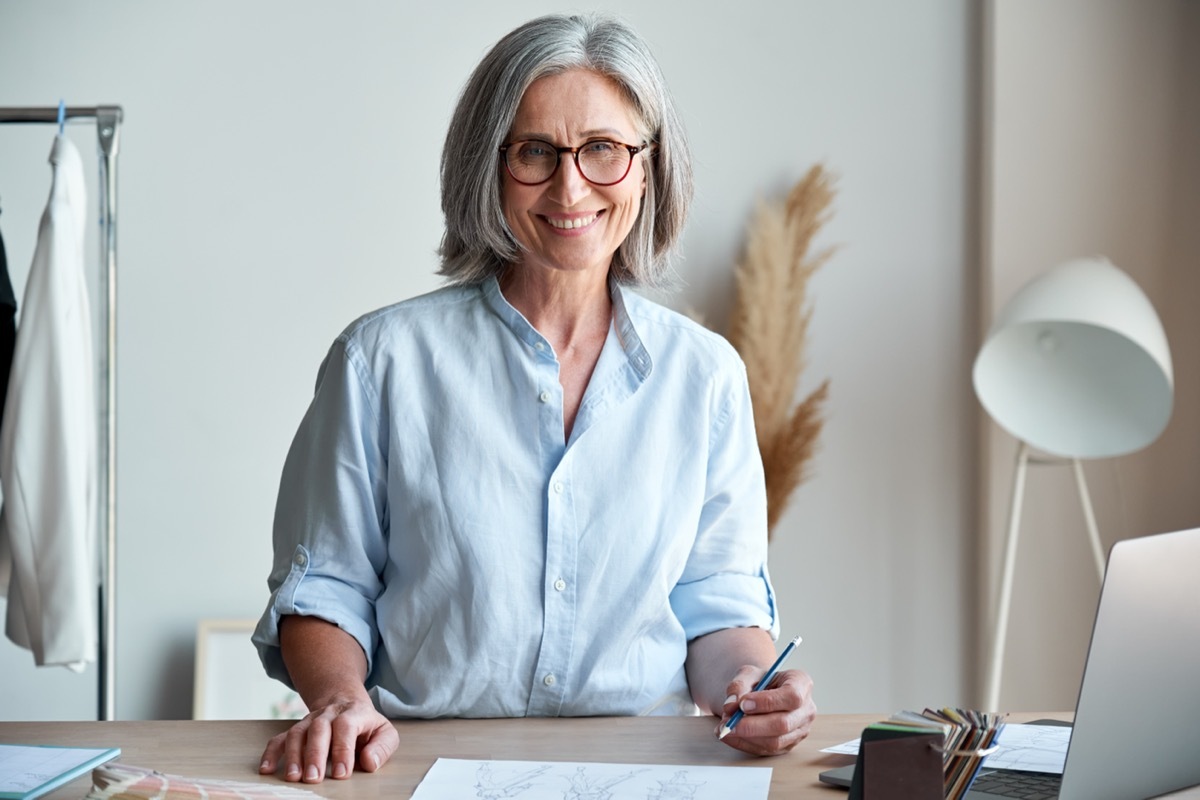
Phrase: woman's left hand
x=776 y=719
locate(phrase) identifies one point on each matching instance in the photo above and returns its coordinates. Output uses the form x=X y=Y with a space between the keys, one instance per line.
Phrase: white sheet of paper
x=849 y=748
x=572 y=780
x=1034 y=748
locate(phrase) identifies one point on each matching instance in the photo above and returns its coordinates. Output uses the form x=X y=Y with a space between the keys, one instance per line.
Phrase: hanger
x=62 y=116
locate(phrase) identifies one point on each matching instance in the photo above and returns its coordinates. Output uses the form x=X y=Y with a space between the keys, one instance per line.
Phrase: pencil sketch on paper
x=677 y=788
x=1034 y=748
x=492 y=786
x=565 y=780
x=586 y=786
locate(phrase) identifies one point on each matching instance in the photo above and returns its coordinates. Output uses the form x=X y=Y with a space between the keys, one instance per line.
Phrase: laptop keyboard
x=1015 y=783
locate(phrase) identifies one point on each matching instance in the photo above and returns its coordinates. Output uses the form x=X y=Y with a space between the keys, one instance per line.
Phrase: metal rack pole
x=108 y=125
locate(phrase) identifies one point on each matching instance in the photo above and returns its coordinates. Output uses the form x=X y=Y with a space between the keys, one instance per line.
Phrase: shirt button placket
x=553 y=660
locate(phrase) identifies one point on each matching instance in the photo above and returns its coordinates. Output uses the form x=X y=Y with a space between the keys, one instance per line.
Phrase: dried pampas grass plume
x=768 y=328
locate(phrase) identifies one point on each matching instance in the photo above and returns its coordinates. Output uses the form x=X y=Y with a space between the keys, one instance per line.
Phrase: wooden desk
x=231 y=750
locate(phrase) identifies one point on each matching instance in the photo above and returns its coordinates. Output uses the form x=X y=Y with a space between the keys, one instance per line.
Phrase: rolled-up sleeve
x=331 y=515
x=725 y=583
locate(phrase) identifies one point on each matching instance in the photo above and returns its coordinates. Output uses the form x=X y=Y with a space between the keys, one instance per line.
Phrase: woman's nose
x=567 y=185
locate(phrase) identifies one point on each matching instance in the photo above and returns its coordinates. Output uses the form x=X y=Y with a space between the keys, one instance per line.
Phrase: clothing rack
x=108 y=126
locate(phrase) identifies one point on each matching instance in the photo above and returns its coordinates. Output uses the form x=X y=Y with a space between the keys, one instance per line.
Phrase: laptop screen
x=1137 y=720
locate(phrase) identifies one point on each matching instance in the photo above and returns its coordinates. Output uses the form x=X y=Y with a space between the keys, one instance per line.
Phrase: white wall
x=279 y=177
x=1092 y=130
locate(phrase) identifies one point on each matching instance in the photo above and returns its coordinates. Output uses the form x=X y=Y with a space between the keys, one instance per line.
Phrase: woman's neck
x=569 y=309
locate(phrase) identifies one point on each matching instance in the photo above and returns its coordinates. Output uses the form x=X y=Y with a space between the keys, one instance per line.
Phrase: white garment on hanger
x=48 y=461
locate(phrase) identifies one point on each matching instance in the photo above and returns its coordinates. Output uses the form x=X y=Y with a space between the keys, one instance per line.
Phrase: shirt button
x=549 y=679
x=539 y=346
x=558 y=487
x=299 y=559
x=560 y=584
x=544 y=397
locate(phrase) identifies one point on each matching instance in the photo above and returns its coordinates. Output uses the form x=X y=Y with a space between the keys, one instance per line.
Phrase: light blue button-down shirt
x=430 y=508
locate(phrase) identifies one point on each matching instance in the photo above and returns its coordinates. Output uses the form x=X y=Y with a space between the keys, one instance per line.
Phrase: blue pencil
x=728 y=727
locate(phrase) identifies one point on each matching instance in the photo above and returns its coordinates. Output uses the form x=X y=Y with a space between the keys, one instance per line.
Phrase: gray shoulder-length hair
x=477 y=242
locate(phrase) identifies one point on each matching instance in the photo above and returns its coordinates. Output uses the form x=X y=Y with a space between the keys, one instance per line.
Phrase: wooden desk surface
x=231 y=750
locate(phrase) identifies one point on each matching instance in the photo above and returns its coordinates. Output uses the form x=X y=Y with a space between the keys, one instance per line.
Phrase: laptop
x=1137 y=719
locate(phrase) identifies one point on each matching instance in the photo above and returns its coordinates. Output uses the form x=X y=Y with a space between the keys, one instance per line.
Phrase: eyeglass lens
x=600 y=161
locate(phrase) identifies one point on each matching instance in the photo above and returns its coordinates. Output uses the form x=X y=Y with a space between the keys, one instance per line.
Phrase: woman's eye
x=600 y=147
x=534 y=150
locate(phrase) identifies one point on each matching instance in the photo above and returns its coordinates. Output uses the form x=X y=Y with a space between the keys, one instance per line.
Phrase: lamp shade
x=1077 y=364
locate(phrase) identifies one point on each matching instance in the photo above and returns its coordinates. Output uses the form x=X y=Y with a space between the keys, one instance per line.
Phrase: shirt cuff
x=312 y=596
x=726 y=600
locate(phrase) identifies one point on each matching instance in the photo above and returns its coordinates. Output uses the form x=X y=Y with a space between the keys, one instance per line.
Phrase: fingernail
x=731 y=699
x=748 y=705
x=310 y=774
x=293 y=771
x=265 y=766
x=339 y=770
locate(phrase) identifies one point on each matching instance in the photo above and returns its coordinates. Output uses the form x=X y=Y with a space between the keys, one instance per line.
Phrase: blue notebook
x=28 y=771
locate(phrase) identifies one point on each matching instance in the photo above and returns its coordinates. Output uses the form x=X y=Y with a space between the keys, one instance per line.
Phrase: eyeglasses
x=601 y=161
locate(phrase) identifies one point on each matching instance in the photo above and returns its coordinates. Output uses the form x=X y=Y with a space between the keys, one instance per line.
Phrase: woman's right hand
x=342 y=730
x=340 y=734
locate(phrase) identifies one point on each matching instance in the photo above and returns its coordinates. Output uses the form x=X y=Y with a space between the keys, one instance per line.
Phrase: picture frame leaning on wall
x=230 y=682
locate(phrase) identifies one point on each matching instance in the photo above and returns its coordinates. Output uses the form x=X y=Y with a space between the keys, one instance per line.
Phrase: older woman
x=532 y=492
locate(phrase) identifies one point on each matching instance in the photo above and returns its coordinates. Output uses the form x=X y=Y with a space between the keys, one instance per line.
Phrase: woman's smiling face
x=568 y=223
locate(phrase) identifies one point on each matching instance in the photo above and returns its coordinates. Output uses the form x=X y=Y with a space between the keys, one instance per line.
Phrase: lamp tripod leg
x=992 y=698
x=1089 y=517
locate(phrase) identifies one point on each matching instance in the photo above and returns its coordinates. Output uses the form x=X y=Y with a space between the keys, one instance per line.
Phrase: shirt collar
x=627 y=334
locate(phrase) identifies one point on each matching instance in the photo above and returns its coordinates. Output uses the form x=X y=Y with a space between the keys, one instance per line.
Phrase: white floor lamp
x=1076 y=366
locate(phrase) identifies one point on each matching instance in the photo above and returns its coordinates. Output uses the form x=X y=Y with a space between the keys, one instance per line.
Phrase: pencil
x=728 y=727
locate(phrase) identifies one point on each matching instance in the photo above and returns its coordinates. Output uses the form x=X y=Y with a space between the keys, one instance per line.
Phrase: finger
x=742 y=683
x=759 y=724
x=786 y=697
x=316 y=749
x=380 y=747
x=728 y=707
x=270 y=757
x=344 y=733
x=798 y=678
x=768 y=746
x=293 y=745
x=769 y=734
x=808 y=716
x=790 y=690
x=744 y=680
